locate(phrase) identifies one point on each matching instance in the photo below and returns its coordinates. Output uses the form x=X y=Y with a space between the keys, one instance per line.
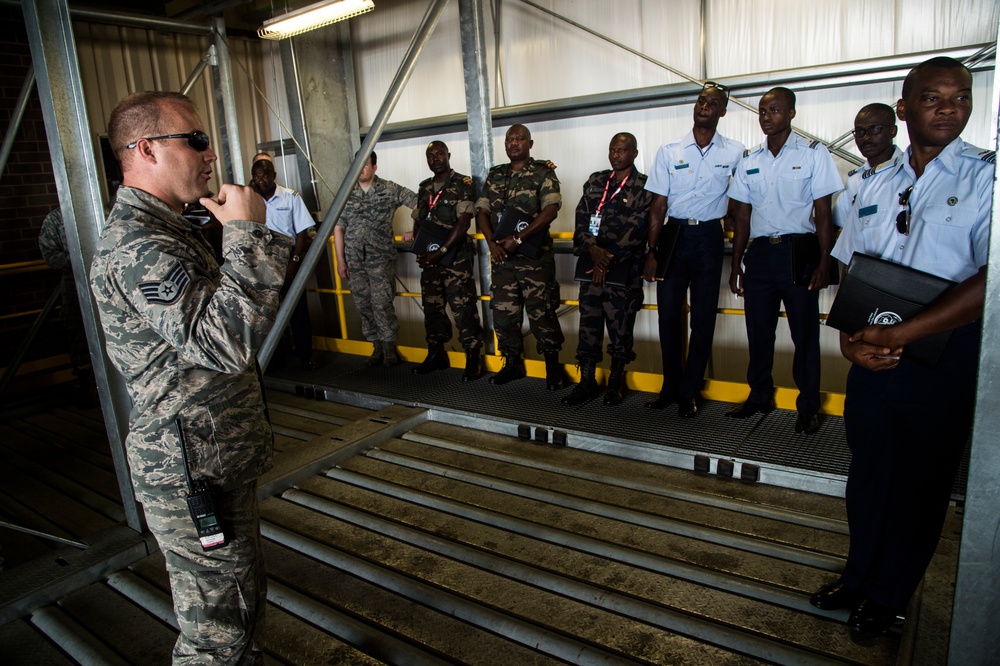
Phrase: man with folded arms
x=906 y=423
x=689 y=181
x=519 y=283
x=781 y=190
x=611 y=233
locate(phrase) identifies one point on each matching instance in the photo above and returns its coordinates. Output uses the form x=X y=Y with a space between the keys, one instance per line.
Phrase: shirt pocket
x=948 y=229
x=793 y=185
x=444 y=211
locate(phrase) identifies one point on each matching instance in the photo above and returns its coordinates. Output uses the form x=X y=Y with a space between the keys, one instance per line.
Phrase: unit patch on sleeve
x=167 y=290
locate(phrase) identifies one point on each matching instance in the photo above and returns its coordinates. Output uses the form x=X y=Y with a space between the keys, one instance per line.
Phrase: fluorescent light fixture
x=312 y=17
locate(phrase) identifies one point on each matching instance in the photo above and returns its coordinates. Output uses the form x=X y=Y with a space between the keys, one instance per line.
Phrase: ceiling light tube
x=314 y=16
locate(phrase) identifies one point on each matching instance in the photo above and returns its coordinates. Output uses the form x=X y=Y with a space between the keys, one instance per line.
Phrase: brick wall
x=27 y=194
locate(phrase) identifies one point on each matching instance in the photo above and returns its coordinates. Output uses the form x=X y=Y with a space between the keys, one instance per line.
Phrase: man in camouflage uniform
x=366 y=256
x=519 y=283
x=184 y=332
x=611 y=233
x=445 y=201
x=55 y=252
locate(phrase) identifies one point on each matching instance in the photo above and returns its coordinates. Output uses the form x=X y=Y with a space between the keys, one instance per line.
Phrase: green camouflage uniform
x=454 y=284
x=55 y=252
x=624 y=220
x=370 y=254
x=184 y=333
x=521 y=283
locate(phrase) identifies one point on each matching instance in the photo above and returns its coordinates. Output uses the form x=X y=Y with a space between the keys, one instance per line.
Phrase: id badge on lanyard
x=595 y=223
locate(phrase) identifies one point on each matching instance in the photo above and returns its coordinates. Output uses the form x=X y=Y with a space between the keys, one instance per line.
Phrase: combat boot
x=437 y=359
x=555 y=373
x=513 y=368
x=391 y=356
x=616 y=383
x=473 y=366
x=588 y=387
x=377 y=356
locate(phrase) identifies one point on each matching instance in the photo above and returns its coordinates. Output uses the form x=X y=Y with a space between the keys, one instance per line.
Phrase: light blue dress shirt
x=842 y=206
x=287 y=213
x=695 y=181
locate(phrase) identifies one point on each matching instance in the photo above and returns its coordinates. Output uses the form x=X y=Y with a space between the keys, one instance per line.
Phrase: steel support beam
x=232 y=153
x=858 y=72
x=976 y=613
x=297 y=123
x=18 y=116
x=206 y=60
x=60 y=89
x=480 y=122
x=316 y=250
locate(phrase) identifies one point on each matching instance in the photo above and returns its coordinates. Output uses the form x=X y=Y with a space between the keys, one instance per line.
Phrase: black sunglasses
x=903 y=219
x=871 y=130
x=197 y=140
x=712 y=85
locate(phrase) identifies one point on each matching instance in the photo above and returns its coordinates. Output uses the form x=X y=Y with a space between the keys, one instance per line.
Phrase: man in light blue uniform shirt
x=874 y=130
x=689 y=180
x=781 y=189
x=287 y=214
x=906 y=423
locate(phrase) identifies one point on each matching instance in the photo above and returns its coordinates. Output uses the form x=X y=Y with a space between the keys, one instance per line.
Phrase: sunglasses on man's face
x=197 y=140
x=903 y=219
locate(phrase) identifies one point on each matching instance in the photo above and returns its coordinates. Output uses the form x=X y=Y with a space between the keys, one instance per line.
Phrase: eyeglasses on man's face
x=871 y=130
x=903 y=219
x=197 y=140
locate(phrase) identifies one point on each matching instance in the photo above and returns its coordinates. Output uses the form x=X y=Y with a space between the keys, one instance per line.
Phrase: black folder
x=429 y=238
x=875 y=291
x=617 y=275
x=805 y=259
x=511 y=222
x=665 y=248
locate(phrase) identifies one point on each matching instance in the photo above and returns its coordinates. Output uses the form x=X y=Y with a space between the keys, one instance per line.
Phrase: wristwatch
x=517 y=240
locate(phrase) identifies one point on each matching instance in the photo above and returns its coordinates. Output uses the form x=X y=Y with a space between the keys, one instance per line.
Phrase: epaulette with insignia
x=979 y=154
x=467 y=180
x=988 y=156
x=868 y=172
x=495 y=167
x=746 y=153
x=546 y=163
x=852 y=172
x=815 y=144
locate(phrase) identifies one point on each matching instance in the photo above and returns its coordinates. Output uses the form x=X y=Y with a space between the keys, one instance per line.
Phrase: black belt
x=689 y=221
x=777 y=240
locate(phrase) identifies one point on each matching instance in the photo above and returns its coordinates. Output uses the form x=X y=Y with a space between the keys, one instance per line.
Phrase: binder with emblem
x=875 y=291
x=513 y=221
x=429 y=238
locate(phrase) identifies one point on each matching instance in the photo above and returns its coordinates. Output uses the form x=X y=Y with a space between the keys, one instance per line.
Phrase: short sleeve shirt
x=842 y=206
x=951 y=205
x=782 y=189
x=695 y=180
x=287 y=213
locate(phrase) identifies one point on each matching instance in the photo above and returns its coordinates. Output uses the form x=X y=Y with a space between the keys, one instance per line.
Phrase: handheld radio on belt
x=201 y=504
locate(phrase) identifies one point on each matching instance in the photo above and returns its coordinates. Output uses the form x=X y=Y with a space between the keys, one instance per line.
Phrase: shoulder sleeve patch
x=167 y=290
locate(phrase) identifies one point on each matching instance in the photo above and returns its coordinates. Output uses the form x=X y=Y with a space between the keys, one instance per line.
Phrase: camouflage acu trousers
x=526 y=285
x=219 y=595
x=615 y=307
x=455 y=286
x=373 y=286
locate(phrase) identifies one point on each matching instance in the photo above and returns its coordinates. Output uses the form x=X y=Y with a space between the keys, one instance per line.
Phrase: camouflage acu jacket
x=455 y=199
x=184 y=332
x=624 y=218
x=529 y=190
x=367 y=216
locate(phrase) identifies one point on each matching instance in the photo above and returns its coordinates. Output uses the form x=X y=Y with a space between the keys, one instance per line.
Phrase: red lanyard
x=434 y=200
x=605 y=195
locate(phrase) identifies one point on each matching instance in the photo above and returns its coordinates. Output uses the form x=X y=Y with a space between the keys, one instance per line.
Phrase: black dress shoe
x=872 y=619
x=748 y=409
x=806 y=423
x=661 y=402
x=836 y=596
x=687 y=408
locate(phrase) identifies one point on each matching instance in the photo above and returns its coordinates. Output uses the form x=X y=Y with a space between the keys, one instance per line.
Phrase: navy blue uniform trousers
x=696 y=263
x=767 y=269
x=907 y=429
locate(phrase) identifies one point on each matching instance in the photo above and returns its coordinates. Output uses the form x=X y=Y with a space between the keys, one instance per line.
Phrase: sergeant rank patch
x=167 y=290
